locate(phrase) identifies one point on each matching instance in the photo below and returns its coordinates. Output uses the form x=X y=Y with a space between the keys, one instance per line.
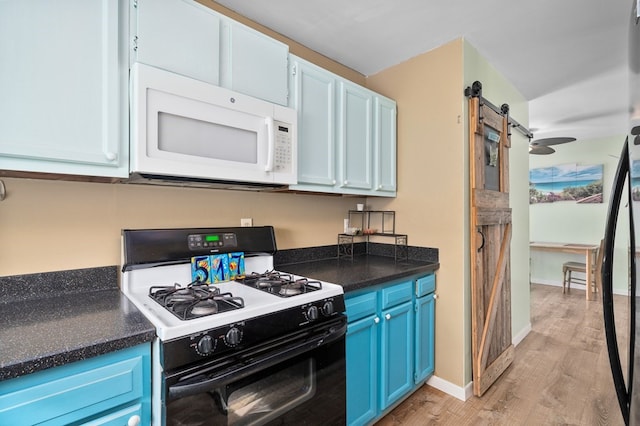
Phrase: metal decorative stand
x=385 y=220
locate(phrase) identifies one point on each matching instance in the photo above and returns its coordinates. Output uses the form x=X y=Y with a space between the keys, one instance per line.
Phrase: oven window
x=272 y=396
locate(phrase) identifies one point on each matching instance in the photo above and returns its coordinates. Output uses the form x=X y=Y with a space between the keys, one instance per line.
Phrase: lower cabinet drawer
x=361 y=306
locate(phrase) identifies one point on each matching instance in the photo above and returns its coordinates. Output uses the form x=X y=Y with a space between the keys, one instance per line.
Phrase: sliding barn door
x=490 y=237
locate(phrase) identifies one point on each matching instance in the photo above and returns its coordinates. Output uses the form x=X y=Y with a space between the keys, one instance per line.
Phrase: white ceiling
x=567 y=57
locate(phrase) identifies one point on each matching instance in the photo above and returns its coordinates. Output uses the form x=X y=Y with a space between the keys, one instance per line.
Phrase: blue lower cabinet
x=425 y=337
x=111 y=389
x=396 y=346
x=390 y=345
x=362 y=370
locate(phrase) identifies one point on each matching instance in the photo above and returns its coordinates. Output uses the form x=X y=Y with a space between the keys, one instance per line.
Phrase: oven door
x=297 y=379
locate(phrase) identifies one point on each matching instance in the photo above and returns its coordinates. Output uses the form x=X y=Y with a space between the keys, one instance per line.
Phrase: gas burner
x=195 y=300
x=280 y=284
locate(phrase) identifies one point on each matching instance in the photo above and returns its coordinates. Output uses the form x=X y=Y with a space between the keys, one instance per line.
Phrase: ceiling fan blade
x=551 y=141
x=541 y=150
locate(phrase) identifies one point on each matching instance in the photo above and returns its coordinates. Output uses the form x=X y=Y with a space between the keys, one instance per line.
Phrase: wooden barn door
x=490 y=238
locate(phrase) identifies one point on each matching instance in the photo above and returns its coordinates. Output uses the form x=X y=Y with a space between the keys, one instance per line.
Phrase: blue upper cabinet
x=346 y=134
x=181 y=36
x=253 y=63
x=63 y=107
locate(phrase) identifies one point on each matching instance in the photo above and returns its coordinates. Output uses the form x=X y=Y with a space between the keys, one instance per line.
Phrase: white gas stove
x=223 y=342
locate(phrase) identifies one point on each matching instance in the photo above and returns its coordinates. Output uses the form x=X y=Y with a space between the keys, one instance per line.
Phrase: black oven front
x=297 y=379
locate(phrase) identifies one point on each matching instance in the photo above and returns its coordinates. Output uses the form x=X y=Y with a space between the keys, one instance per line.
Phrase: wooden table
x=588 y=250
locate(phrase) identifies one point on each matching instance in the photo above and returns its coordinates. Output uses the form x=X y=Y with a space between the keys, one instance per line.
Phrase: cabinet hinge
x=415 y=377
x=135 y=3
x=294 y=70
x=135 y=43
x=415 y=306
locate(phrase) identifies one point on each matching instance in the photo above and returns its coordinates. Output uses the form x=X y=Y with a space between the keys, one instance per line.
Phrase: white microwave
x=187 y=131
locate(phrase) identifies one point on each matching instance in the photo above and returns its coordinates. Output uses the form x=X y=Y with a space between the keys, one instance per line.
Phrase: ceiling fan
x=542 y=146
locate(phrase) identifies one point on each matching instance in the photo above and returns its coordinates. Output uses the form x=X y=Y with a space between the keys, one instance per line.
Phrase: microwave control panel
x=283 y=155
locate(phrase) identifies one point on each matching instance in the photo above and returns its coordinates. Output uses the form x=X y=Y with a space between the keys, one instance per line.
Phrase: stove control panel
x=213 y=240
x=325 y=308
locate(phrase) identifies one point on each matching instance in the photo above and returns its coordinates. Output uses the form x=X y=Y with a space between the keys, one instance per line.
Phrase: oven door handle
x=237 y=372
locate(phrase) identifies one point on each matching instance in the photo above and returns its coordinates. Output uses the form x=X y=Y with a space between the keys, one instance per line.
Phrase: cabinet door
x=385 y=145
x=63 y=107
x=362 y=370
x=181 y=36
x=424 y=338
x=396 y=347
x=355 y=142
x=314 y=99
x=254 y=64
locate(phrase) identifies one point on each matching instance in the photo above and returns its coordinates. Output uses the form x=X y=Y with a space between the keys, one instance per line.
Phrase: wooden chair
x=569 y=267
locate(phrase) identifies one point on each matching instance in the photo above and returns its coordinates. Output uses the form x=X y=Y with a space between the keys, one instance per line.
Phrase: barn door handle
x=481 y=245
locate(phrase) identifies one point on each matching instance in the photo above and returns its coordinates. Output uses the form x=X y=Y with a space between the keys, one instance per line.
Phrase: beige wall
x=433 y=191
x=56 y=225
x=430 y=204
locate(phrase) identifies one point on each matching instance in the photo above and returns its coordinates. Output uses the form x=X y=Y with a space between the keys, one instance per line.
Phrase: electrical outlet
x=247 y=221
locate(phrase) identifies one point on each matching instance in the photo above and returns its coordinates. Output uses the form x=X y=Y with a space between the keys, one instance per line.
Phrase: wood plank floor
x=560 y=375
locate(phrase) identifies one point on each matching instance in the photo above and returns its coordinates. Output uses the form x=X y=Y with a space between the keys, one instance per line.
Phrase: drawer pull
x=388 y=316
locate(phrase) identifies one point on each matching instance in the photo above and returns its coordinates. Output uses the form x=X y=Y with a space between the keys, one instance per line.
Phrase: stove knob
x=312 y=313
x=233 y=337
x=205 y=345
x=327 y=308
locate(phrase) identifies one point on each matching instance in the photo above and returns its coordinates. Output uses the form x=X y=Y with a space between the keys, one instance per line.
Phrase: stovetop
x=250 y=302
x=157 y=277
x=195 y=300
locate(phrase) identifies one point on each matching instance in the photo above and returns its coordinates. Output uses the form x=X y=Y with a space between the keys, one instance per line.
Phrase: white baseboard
x=521 y=335
x=461 y=393
x=573 y=285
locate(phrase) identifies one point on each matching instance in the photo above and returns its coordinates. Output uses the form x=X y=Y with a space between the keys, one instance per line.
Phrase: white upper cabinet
x=355 y=136
x=193 y=40
x=178 y=35
x=63 y=81
x=313 y=97
x=346 y=134
x=384 y=135
x=253 y=63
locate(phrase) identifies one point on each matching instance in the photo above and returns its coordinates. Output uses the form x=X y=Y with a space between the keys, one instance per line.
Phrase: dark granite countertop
x=60 y=321
x=361 y=272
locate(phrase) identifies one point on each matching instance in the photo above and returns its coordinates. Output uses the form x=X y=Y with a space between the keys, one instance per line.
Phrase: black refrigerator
x=626 y=194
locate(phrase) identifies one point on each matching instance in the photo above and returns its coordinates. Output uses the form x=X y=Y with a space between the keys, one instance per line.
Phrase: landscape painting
x=635 y=180
x=567 y=182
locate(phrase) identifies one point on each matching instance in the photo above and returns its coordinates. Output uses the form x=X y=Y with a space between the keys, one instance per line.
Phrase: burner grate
x=195 y=300
x=279 y=283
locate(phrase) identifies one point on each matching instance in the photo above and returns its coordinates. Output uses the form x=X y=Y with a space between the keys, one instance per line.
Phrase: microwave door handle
x=271 y=144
